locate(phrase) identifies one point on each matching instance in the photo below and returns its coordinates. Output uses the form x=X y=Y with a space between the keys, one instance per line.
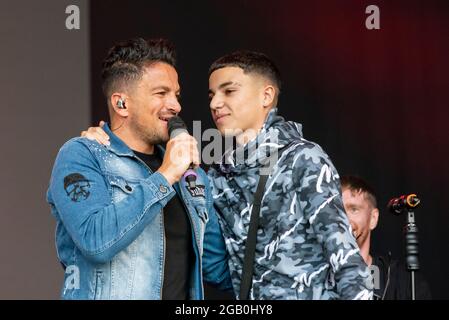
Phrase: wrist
x=170 y=179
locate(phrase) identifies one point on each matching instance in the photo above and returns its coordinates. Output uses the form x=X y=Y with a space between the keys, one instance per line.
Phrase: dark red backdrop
x=375 y=100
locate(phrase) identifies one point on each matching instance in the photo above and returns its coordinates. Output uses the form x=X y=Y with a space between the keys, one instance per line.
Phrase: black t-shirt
x=395 y=282
x=178 y=241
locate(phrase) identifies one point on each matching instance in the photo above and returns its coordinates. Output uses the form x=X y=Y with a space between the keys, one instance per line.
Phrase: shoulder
x=307 y=151
x=79 y=144
x=296 y=147
x=77 y=149
x=309 y=166
x=305 y=156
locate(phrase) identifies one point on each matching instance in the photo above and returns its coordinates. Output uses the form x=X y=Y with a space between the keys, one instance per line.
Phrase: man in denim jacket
x=128 y=226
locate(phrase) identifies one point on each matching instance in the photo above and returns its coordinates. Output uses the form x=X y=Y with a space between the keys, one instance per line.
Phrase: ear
x=114 y=101
x=269 y=94
x=374 y=218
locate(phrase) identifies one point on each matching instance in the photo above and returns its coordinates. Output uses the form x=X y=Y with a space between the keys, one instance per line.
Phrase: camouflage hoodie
x=305 y=248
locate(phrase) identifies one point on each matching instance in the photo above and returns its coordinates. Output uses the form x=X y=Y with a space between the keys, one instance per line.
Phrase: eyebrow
x=353 y=206
x=225 y=84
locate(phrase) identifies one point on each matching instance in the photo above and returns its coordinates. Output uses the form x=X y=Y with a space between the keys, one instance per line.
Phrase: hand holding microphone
x=181 y=155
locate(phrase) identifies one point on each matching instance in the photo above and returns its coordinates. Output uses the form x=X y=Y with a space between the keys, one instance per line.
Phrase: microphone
x=176 y=126
x=404 y=202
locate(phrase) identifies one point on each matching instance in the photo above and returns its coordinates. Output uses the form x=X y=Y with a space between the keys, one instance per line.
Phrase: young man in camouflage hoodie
x=305 y=249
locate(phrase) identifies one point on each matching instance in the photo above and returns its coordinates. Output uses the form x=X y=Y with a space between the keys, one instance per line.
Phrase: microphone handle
x=190 y=177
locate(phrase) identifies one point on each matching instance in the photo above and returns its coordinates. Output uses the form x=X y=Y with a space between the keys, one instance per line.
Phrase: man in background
x=360 y=204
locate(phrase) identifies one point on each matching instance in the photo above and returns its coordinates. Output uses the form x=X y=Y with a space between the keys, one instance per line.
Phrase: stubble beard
x=149 y=135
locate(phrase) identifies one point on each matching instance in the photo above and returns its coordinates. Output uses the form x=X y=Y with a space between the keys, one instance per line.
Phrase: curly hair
x=126 y=60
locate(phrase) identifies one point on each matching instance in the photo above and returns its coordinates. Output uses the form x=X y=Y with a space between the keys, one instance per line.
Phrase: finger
x=105 y=142
x=89 y=135
x=183 y=136
x=101 y=132
x=196 y=163
x=192 y=140
x=196 y=158
x=101 y=123
x=193 y=149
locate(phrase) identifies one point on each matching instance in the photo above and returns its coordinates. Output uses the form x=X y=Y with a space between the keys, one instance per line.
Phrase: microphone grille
x=175 y=123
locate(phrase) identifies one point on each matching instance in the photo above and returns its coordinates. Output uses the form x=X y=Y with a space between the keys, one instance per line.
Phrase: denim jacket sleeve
x=215 y=256
x=99 y=227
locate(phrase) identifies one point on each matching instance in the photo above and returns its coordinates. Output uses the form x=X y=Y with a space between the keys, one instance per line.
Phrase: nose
x=216 y=103
x=173 y=105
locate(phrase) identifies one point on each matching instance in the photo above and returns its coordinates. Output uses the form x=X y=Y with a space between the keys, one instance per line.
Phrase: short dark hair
x=357 y=184
x=125 y=61
x=250 y=62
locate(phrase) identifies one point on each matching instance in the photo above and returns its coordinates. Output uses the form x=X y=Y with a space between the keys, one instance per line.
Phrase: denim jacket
x=110 y=224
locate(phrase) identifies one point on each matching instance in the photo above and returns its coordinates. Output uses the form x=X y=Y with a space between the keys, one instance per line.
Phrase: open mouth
x=165 y=119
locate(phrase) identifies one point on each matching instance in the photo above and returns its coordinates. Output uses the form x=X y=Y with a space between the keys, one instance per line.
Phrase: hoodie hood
x=275 y=134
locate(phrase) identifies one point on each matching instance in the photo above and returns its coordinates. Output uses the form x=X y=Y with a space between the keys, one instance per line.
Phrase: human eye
x=352 y=210
x=161 y=93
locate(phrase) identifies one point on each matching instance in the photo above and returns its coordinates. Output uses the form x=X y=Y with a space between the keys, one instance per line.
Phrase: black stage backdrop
x=375 y=100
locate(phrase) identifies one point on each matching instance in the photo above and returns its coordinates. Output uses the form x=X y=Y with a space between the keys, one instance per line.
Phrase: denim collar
x=120 y=148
